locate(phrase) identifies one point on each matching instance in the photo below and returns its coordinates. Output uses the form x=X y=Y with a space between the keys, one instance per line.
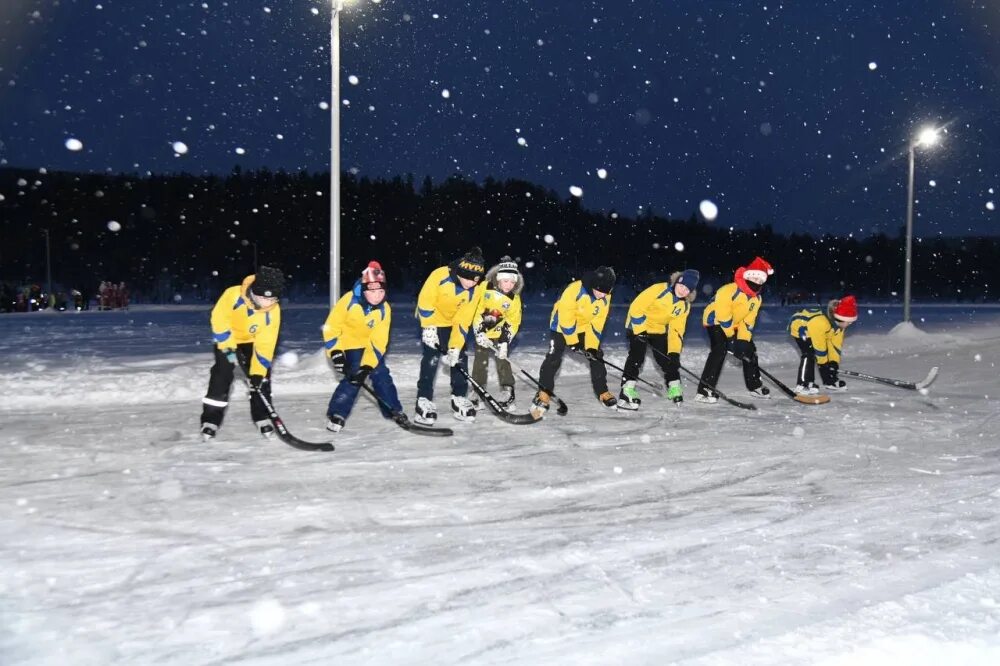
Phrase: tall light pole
x=927 y=137
x=48 y=266
x=338 y=6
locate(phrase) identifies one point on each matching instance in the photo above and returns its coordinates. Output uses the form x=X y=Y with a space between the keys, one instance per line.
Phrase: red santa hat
x=757 y=271
x=846 y=309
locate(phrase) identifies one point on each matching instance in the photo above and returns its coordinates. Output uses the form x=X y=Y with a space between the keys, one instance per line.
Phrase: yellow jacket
x=578 y=313
x=236 y=320
x=813 y=325
x=734 y=311
x=443 y=302
x=509 y=306
x=355 y=324
x=657 y=310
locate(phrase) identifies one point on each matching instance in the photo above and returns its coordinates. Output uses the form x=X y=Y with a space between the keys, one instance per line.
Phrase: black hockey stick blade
x=561 y=408
x=405 y=423
x=287 y=437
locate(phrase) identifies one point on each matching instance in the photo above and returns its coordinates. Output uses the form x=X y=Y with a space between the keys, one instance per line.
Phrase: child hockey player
x=578 y=319
x=245 y=324
x=496 y=321
x=356 y=335
x=820 y=337
x=445 y=310
x=658 y=316
x=729 y=320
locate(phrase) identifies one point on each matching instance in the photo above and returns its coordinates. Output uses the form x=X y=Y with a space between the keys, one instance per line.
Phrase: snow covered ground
x=862 y=531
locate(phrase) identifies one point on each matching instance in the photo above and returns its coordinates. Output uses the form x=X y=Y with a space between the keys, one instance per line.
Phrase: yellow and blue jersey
x=658 y=310
x=236 y=320
x=444 y=302
x=734 y=311
x=577 y=313
x=813 y=325
x=353 y=323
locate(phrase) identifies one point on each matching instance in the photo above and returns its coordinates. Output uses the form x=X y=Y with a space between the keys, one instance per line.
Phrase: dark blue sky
x=793 y=114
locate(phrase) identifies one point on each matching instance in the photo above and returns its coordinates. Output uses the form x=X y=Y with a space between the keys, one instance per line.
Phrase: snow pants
x=481 y=368
x=553 y=360
x=429 y=365
x=344 y=396
x=637 y=347
x=220 y=382
x=717 y=358
x=807 y=364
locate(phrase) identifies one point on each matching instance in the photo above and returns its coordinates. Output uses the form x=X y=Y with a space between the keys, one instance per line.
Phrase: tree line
x=187 y=236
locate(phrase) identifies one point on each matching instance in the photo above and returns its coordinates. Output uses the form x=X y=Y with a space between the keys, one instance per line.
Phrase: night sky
x=794 y=114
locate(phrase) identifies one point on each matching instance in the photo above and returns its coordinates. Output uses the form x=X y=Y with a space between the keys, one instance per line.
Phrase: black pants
x=717 y=358
x=637 y=346
x=550 y=366
x=807 y=364
x=220 y=381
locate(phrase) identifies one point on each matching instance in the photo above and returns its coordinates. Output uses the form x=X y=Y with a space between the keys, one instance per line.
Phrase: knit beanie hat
x=603 y=279
x=758 y=271
x=470 y=266
x=268 y=282
x=846 y=309
x=507 y=269
x=373 y=277
x=689 y=279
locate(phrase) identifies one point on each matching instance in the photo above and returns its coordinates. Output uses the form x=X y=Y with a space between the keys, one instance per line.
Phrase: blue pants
x=429 y=365
x=343 y=398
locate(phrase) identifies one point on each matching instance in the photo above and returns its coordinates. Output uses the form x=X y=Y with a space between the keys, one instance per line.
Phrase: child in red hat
x=729 y=320
x=820 y=338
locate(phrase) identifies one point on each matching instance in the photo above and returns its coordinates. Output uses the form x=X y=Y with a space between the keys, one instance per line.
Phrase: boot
x=761 y=392
x=539 y=404
x=706 y=398
x=426 y=413
x=629 y=399
x=506 y=397
x=609 y=400
x=265 y=428
x=335 y=423
x=807 y=389
x=462 y=408
x=209 y=431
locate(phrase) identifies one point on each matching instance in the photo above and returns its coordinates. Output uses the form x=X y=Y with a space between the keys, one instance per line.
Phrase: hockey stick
x=731 y=401
x=913 y=386
x=404 y=423
x=279 y=425
x=492 y=403
x=653 y=385
x=561 y=408
x=803 y=399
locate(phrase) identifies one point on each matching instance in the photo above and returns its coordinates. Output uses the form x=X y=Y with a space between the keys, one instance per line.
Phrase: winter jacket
x=814 y=325
x=580 y=316
x=236 y=320
x=353 y=323
x=444 y=302
x=735 y=308
x=657 y=310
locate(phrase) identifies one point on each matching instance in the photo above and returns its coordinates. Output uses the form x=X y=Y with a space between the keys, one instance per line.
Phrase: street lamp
x=927 y=138
x=338 y=6
x=48 y=266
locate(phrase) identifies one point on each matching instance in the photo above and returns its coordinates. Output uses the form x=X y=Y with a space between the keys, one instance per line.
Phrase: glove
x=339 y=360
x=230 y=355
x=429 y=336
x=578 y=345
x=257 y=381
x=505 y=335
x=451 y=357
x=742 y=349
x=502 y=351
x=359 y=377
x=674 y=391
x=593 y=354
x=482 y=340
